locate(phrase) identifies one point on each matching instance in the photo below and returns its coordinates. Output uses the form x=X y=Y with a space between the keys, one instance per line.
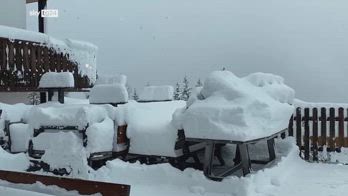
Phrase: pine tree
x=199 y=83
x=186 y=90
x=177 y=91
x=34 y=98
x=135 y=95
x=129 y=89
x=223 y=68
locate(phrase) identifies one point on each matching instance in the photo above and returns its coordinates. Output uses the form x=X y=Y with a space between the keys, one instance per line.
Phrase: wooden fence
x=23 y=62
x=319 y=128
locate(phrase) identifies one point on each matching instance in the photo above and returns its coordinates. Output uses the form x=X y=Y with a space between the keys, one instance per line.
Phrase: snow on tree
x=135 y=95
x=199 y=83
x=186 y=90
x=34 y=98
x=177 y=91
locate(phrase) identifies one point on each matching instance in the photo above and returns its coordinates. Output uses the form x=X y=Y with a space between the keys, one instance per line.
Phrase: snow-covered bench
x=240 y=111
x=150 y=131
x=113 y=94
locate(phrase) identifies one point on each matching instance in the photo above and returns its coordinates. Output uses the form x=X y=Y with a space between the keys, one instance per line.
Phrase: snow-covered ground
x=287 y=176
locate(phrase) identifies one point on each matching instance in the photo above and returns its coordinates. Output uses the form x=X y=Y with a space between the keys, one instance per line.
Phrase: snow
x=149 y=127
x=111 y=79
x=157 y=93
x=108 y=93
x=100 y=136
x=57 y=80
x=20 y=34
x=304 y=104
x=13 y=162
x=18 y=192
x=20 y=134
x=64 y=151
x=232 y=108
x=65 y=115
x=273 y=85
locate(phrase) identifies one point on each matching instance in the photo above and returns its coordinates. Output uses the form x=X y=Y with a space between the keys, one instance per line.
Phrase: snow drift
x=232 y=108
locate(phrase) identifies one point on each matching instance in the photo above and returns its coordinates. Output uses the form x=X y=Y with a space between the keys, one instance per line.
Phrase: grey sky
x=160 y=41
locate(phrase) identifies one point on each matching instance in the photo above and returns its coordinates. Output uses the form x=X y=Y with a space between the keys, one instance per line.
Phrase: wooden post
x=298 y=128
x=306 y=134
x=290 y=128
x=315 y=134
x=50 y=94
x=43 y=97
x=41 y=5
x=60 y=95
x=208 y=158
x=340 y=128
x=332 y=120
x=323 y=119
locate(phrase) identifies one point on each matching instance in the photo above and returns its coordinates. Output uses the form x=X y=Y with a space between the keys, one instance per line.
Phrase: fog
x=161 y=41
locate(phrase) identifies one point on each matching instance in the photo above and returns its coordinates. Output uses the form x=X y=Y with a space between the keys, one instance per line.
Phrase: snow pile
x=273 y=85
x=100 y=136
x=63 y=150
x=20 y=34
x=14 y=113
x=57 y=80
x=111 y=79
x=304 y=104
x=65 y=115
x=20 y=134
x=232 y=108
x=157 y=93
x=149 y=127
x=108 y=93
x=13 y=162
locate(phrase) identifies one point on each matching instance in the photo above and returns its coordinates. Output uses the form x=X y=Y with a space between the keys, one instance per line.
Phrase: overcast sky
x=161 y=41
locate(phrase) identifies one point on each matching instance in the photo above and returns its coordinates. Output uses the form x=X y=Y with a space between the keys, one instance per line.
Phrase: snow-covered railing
x=26 y=55
x=319 y=127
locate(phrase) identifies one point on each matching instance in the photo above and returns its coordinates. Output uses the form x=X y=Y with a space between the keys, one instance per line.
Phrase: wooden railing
x=318 y=129
x=23 y=62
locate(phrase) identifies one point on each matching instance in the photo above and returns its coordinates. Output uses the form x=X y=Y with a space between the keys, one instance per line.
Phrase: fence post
x=323 y=127
x=315 y=134
x=340 y=142
x=332 y=120
x=290 y=128
x=298 y=128
x=306 y=134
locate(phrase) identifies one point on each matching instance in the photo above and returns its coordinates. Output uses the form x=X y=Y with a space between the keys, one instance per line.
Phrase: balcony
x=26 y=55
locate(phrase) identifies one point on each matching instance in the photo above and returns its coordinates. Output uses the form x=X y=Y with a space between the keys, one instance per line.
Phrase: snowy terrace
x=26 y=55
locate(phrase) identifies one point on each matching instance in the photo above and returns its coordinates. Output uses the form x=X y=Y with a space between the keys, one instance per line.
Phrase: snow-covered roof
x=157 y=93
x=57 y=80
x=238 y=109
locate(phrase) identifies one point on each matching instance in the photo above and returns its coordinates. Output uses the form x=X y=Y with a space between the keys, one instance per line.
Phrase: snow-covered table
x=242 y=159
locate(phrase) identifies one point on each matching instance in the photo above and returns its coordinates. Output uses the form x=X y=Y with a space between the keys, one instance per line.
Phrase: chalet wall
x=13 y=13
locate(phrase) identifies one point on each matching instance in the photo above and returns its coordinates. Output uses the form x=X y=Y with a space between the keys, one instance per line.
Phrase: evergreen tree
x=135 y=95
x=199 y=83
x=34 y=98
x=129 y=89
x=177 y=91
x=186 y=90
x=223 y=68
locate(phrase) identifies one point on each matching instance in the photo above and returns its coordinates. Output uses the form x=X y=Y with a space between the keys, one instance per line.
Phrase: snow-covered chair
x=92 y=125
x=56 y=81
x=156 y=94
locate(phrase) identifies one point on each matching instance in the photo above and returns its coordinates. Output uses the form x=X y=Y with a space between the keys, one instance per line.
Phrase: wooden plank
x=315 y=133
x=323 y=119
x=306 y=134
x=340 y=141
x=85 y=187
x=332 y=121
x=298 y=127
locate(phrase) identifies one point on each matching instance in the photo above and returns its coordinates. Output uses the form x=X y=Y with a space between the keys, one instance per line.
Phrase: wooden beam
x=41 y=5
